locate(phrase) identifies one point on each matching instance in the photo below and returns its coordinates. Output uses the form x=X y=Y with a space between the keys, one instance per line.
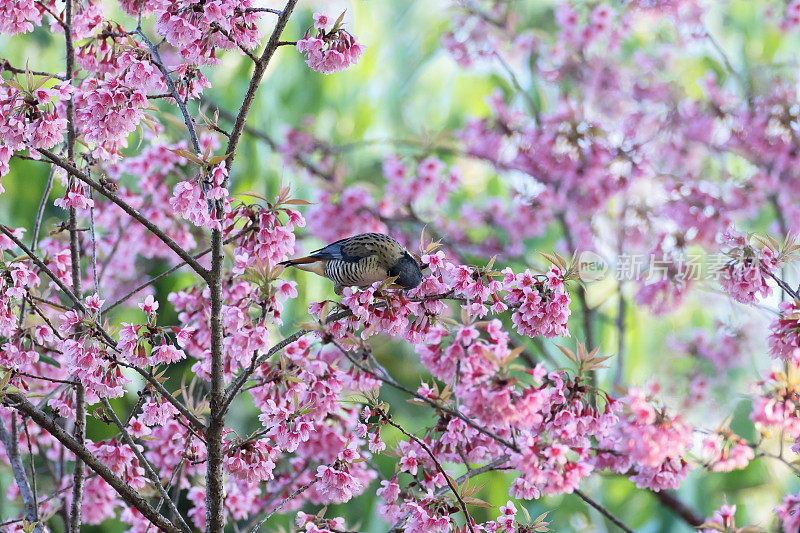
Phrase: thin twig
x=182 y=409
x=130 y=495
x=39 y=263
x=233 y=388
x=94 y=251
x=187 y=118
x=78 y=474
x=436 y=462
x=173 y=269
x=244 y=50
x=283 y=502
x=133 y=213
x=669 y=500
x=33 y=469
x=488 y=467
x=14 y=457
x=40 y=210
x=37 y=223
x=782 y=284
x=263 y=10
x=7 y=66
x=725 y=59
x=113 y=251
x=515 y=82
x=586 y=311
x=392 y=383
x=148 y=467
x=275 y=494
x=605 y=512
x=255 y=81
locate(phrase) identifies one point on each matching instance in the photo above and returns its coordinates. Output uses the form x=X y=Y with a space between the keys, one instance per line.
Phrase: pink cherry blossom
x=19 y=16
x=789 y=512
x=329 y=52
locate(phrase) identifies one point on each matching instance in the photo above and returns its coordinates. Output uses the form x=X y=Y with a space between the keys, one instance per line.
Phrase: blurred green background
x=407 y=87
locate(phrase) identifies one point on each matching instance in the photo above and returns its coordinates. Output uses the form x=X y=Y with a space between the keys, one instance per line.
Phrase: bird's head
x=407 y=271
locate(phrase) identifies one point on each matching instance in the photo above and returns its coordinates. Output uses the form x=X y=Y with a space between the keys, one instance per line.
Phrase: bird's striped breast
x=361 y=273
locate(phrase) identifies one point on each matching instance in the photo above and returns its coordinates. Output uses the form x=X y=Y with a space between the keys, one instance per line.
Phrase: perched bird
x=360 y=261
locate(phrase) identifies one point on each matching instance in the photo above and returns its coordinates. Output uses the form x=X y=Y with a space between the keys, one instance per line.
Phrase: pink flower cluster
x=791 y=20
x=331 y=220
x=724 y=519
x=777 y=403
x=189 y=201
x=506 y=522
x=543 y=303
x=197 y=28
x=784 y=342
x=745 y=276
x=30 y=119
x=106 y=111
x=580 y=172
x=788 y=512
x=600 y=28
x=252 y=462
x=405 y=188
x=724 y=451
x=470 y=41
x=665 y=288
x=75 y=196
x=724 y=350
x=19 y=16
x=327 y=49
x=121 y=460
x=650 y=441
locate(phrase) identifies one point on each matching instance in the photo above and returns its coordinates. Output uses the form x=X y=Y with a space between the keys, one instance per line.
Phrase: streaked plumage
x=362 y=260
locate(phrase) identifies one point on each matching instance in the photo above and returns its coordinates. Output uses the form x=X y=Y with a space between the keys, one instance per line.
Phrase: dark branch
x=187 y=118
x=133 y=213
x=605 y=512
x=126 y=492
x=14 y=457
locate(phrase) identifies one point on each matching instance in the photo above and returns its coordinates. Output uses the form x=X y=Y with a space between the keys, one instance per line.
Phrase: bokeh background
x=407 y=96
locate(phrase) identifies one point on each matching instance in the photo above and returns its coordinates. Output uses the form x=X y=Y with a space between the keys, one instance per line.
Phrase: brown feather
x=301 y=261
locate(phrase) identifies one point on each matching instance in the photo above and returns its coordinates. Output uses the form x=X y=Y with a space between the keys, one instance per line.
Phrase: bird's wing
x=354 y=248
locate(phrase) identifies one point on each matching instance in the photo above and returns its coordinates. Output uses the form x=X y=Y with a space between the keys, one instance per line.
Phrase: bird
x=360 y=261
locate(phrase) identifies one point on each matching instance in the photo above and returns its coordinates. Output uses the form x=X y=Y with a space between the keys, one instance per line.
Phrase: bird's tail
x=300 y=261
x=309 y=264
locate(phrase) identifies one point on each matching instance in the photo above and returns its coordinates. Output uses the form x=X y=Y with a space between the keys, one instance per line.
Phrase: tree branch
x=110 y=340
x=148 y=468
x=670 y=500
x=263 y=10
x=233 y=388
x=166 y=273
x=182 y=409
x=39 y=263
x=214 y=488
x=605 y=512
x=586 y=311
x=283 y=502
x=104 y=335
x=187 y=118
x=215 y=492
x=5 y=64
x=438 y=465
x=258 y=73
x=469 y=474
x=126 y=492
x=12 y=450
x=133 y=213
